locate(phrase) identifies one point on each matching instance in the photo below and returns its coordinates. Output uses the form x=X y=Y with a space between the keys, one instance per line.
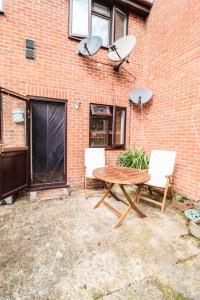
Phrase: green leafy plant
x=181 y=198
x=134 y=158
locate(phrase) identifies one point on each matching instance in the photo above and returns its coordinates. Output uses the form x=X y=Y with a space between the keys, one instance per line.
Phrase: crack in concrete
x=151 y=276
x=182 y=261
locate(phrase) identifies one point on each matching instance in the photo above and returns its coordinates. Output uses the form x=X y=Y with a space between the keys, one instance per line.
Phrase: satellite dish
x=90 y=45
x=121 y=49
x=140 y=96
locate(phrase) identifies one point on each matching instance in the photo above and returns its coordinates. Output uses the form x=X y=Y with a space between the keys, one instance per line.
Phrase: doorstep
x=49 y=194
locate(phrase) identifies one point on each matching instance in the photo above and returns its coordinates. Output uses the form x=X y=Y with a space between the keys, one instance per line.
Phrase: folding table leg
x=130 y=201
x=123 y=217
x=134 y=207
x=104 y=196
x=115 y=196
x=131 y=205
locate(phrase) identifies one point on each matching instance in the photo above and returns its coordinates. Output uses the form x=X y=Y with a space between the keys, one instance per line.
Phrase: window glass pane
x=1 y=5
x=110 y=132
x=100 y=110
x=120 y=127
x=105 y=133
x=120 y=24
x=100 y=27
x=98 y=8
x=101 y=132
x=80 y=9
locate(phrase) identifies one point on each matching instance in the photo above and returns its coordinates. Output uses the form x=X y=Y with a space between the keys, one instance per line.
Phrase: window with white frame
x=97 y=17
x=1 y=6
x=107 y=126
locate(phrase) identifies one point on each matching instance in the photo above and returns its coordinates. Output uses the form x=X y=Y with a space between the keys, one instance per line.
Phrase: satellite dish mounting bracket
x=114 y=48
x=86 y=48
x=117 y=67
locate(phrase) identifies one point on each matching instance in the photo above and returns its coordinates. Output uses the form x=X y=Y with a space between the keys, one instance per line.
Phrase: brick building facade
x=172 y=70
x=165 y=59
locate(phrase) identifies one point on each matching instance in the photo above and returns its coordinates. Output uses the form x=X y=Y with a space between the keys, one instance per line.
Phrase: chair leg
x=85 y=186
x=150 y=190
x=171 y=192
x=137 y=199
x=85 y=183
x=164 y=199
x=85 y=179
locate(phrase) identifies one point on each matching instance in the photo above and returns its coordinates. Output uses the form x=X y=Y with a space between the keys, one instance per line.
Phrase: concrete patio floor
x=64 y=249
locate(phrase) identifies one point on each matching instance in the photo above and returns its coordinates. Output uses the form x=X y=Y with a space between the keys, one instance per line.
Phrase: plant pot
x=182 y=206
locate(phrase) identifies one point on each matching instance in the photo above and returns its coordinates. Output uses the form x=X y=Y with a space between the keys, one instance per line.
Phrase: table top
x=121 y=175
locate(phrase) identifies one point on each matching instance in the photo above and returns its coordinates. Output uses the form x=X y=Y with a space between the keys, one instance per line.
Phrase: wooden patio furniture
x=94 y=158
x=161 y=168
x=121 y=176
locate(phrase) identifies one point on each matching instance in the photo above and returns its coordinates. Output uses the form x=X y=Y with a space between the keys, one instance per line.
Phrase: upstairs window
x=120 y=22
x=1 y=6
x=107 y=126
x=96 y=17
x=101 y=22
x=79 y=17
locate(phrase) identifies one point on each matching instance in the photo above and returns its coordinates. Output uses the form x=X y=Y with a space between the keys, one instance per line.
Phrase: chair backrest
x=161 y=164
x=94 y=158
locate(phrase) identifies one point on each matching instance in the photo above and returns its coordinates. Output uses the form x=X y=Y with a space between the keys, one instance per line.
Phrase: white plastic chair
x=94 y=158
x=161 y=168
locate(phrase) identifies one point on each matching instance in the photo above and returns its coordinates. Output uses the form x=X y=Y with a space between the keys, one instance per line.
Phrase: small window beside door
x=97 y=17
x=107 y=126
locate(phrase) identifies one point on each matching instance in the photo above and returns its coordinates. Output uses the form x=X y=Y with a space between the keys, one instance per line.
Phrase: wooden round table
x=122 y=176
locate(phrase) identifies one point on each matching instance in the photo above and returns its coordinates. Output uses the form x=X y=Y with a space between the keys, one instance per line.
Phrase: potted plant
x=134 y=158
x=181 y=202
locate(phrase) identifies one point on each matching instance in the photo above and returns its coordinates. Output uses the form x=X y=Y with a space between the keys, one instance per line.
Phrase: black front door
x=48 y=142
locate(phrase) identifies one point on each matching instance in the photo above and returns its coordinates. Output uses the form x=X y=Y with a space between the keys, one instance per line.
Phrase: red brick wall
x=172 y=69
x=165 y=59
x=58 y=72
x=13 y=134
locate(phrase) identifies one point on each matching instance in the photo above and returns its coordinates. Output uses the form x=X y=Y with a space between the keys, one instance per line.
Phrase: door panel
x=13 y=170
x=14 y=153
x=48 y=142
x=39 y=142
x=56 y=142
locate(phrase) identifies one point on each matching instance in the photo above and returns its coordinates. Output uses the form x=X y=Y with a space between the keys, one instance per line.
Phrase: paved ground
x=64 y=249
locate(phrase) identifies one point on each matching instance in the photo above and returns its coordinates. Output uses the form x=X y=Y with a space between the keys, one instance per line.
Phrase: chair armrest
x=169 y=176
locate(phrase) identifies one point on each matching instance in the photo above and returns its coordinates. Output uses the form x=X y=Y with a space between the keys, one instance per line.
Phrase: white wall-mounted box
x=18 y=115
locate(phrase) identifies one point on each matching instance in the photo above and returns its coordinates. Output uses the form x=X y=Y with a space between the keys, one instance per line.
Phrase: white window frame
x=2 y=6
x=90 y=13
